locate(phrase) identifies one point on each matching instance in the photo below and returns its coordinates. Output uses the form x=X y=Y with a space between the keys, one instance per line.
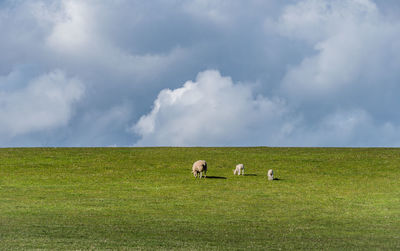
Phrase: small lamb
x=239 y=169
x=199 y=167
x=270 y=174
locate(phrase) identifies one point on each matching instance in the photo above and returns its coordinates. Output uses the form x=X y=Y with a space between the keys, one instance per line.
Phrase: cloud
x=46 y=102
x=313 y=61
x=354 y=48
x=77 y=36
x=340 y=93
x=212 y=111
x=74 y=28
x=313 y=20
x=352 y=67
x=355 y=127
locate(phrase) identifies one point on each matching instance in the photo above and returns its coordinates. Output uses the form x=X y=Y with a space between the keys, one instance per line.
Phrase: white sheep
x=270 y=174
x=199 y=167
x=239 y=169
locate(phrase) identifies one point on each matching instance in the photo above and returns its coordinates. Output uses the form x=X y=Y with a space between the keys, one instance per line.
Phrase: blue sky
x=199 y=73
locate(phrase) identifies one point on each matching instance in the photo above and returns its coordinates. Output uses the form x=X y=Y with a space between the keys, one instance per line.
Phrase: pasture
x=147 y=199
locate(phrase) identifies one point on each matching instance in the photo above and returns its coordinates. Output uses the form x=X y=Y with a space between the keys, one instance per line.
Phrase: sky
x=199 y=73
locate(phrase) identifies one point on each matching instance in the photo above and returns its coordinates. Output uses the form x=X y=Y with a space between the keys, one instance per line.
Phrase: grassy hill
x=147 y=198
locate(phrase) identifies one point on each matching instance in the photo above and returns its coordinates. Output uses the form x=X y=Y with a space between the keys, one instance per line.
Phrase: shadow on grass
x=250 y=174
x=216 y=177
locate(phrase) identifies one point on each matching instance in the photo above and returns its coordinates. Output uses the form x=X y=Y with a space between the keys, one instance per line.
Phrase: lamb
x=239 y=169
x=199 y=167
x=270 y=174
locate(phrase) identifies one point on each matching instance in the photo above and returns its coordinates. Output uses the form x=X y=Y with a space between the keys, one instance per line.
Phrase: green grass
x=147 y=198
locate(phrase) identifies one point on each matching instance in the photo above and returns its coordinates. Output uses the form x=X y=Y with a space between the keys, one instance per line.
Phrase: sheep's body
x=239 y=169
x=270 y=174
x=199 y=167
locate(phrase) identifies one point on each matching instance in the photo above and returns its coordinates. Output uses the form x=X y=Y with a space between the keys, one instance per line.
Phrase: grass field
x=147 y=198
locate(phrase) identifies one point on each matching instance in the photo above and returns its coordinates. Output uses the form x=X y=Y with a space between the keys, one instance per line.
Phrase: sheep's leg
x=205 y=174
x=201 y=175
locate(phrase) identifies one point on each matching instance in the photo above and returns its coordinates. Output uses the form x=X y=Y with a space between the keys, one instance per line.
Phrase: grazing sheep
x=199 y=167
x=270 y=174
x=239 y=169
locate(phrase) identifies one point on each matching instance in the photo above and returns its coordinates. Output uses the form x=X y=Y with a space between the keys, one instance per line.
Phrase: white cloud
x=46 y=102
x=315 y=20
x=354 y=46
x=340 y=128
x=355 y=128
x=215 y=111
x=73 y=27
x=215 y=11
x=212 y=111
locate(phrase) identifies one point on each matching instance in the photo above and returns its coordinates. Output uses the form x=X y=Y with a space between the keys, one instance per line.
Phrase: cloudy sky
x=199 y=73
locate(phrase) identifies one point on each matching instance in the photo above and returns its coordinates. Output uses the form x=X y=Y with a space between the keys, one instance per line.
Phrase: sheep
x=270 y=174
x=239 y=169
x=199 y=167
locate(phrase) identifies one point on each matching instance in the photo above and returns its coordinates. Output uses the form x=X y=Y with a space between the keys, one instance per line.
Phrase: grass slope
x=146 y=198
